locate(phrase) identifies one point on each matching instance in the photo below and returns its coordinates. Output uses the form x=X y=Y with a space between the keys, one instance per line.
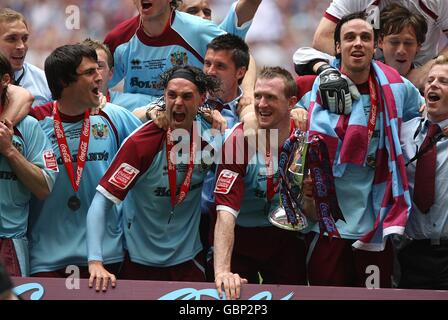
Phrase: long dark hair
x=5 y=68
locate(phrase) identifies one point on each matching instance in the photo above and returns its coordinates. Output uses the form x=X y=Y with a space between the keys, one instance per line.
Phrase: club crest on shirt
x=50 y=160
x=100 y=131
x=179 y=58
x=123 y=176
x=225 y=181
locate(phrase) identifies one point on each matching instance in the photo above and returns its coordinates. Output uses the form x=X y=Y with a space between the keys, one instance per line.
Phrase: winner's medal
x=73 y=203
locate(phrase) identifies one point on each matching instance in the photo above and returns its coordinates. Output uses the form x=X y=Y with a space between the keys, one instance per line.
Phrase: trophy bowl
x=293 y=172
x=278 y=218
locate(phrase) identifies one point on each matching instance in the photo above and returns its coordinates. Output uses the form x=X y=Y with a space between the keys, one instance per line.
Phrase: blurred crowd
x=279 y=27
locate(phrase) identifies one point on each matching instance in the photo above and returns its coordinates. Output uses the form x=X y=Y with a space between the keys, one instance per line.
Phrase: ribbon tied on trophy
x=292 y=170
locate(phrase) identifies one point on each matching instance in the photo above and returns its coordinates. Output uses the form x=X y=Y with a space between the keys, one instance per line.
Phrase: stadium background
x=279 y=27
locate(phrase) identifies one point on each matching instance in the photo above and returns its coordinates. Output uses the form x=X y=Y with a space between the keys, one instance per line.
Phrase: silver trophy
x=292 y=168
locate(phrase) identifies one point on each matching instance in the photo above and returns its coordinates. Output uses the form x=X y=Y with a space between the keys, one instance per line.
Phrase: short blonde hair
x=8 y=15
x=441 y=59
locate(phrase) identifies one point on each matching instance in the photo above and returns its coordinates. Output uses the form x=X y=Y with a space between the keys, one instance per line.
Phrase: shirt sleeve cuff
x=108 y=195
x=228 y=209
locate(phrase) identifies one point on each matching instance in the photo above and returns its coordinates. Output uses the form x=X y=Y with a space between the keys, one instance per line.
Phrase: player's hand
x=244 y=102
x=158 y=116
x=6 y=133
x=300 y=117
x=100 y=277
x=445 y=131
x=308 y=187
x=250 y=124
x=336 y=91
x=422 y=109
x=102 y=103
x=216 y=119
x=232 y=284
x=308 y=199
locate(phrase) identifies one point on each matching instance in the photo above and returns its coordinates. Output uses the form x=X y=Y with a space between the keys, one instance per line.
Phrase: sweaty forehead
x=14 y=27
x=87 y=62
x=273 y=82
x=195 y=3
x=439 y=69
x=358 y=25
x=181 y=85
x=272 y=86
x=221 y=54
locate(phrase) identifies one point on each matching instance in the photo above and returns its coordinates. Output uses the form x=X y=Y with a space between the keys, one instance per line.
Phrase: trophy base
x=279 y=219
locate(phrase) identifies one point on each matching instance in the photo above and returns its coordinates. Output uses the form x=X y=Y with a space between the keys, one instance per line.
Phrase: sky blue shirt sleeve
x=96 y=224
x=230 y=23
x=33 y=79
x=123 y=119
x=37 y=146
x=130 y=101
x=119 y=65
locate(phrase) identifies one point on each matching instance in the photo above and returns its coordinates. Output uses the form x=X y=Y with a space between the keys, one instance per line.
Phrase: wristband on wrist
x=322 y=68
x=307 y=68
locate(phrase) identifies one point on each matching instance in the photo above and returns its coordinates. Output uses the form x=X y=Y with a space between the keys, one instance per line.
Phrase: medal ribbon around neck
x=374 y=108
x=65 y=151
x=271 y=186
x=185 y=187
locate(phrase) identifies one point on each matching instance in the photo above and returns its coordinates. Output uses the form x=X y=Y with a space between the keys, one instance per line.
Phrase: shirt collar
x=232 y=104
x=443 y=124
x=18 y=75
x=425 y=123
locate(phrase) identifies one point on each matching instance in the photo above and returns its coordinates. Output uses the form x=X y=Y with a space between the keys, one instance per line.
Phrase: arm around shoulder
x=19 y=104
x=323 y=37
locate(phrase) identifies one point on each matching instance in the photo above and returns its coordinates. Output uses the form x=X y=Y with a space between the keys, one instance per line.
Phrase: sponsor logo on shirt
x=123 y=176
x=136 y=82
x=50 y=160
x=92 y=156
x=136 y=64
x=100 y=131
x=179 y=58
x=225 y=181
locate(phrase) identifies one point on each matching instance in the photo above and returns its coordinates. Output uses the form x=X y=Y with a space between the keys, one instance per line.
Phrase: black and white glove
x=336 y=90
